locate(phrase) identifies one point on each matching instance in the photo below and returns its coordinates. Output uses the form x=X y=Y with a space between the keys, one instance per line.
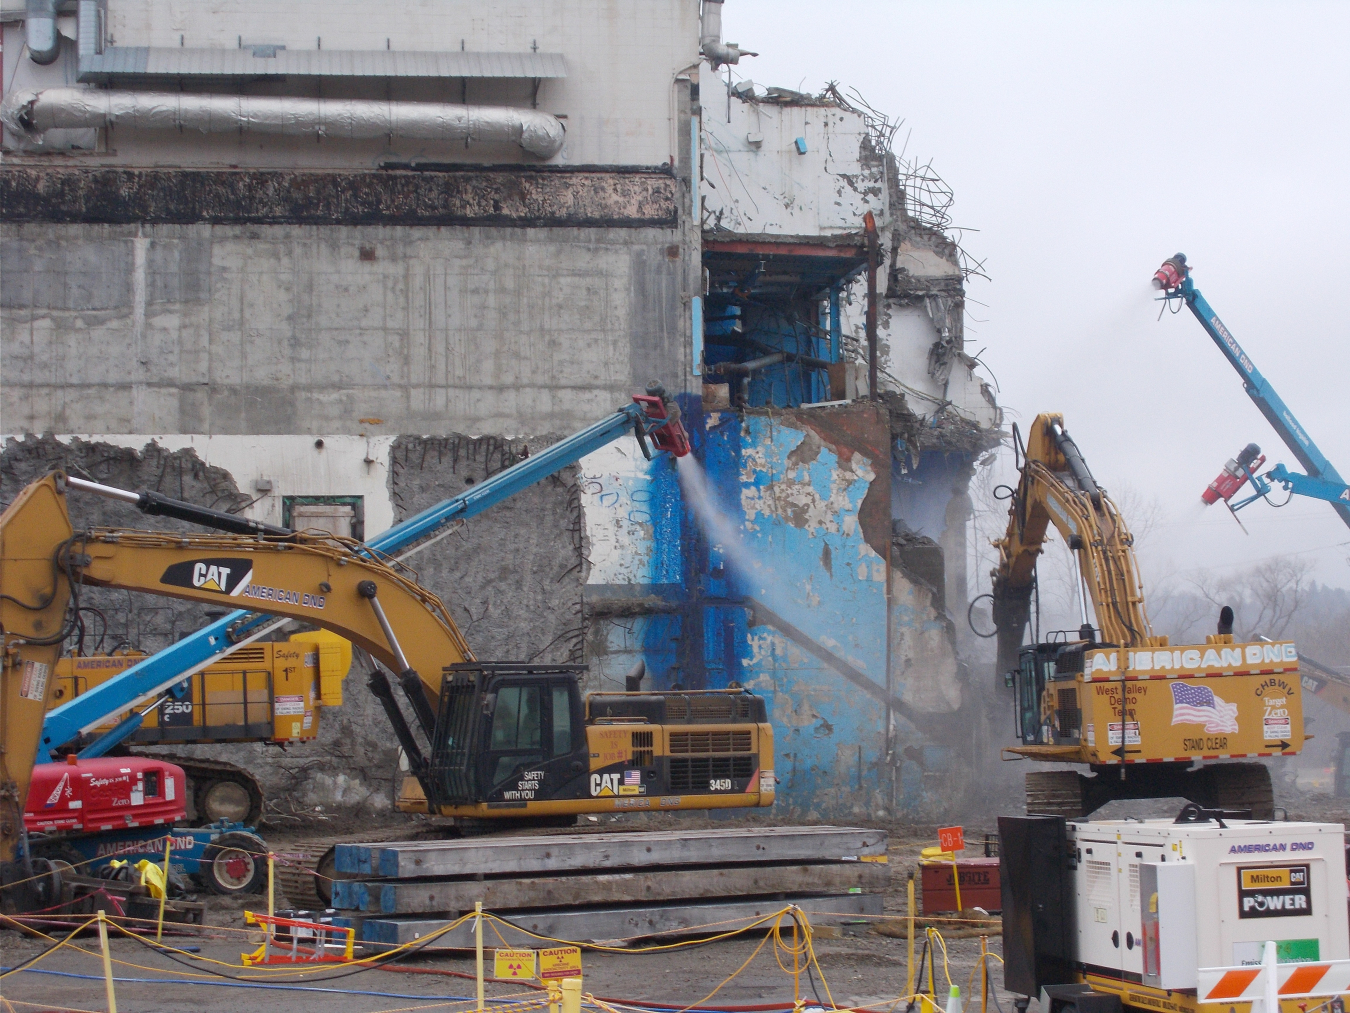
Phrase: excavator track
x=219 y=790
x=304 y=867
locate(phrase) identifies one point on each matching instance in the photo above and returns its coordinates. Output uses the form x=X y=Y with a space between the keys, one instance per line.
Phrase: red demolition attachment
x=660 y=408
x=1234 y=474
x=1172 y=273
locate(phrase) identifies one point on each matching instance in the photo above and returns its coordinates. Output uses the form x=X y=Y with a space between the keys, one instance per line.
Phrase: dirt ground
x=863 y=965
x=860 y=965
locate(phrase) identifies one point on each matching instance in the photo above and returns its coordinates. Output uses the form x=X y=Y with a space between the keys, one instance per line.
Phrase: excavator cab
x=519 y=740
x=507 y=735
x=1048 y=718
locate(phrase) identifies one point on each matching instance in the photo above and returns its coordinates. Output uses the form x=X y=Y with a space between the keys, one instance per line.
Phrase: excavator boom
x=333 y=583
x=1116 y=697
x=1056 y=487
x=34 y=592
x=653 y=417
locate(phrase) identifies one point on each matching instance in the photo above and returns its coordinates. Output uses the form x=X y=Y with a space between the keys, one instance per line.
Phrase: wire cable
x=56 y=945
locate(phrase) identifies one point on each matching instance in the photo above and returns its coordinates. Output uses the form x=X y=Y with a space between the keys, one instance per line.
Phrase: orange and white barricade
x=1270 y=981
x=323 y=943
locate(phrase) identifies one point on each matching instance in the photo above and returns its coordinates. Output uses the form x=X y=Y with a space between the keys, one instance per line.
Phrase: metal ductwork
x=39 y=27
x=35 y=112
x=710 y=37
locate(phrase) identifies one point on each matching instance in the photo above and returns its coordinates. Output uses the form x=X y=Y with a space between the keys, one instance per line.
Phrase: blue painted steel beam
x=1270 y=404
x=197 y=650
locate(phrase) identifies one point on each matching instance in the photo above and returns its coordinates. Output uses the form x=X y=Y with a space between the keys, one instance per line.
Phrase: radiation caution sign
x=514 y=964
x=560 y=962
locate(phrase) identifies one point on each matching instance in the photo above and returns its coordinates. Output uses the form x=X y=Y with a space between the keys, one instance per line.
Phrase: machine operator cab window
x=535 y=738
x=1057 y=720
x=1037 y=666
x=517 y=731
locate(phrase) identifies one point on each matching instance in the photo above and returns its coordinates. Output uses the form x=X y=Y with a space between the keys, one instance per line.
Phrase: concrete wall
x=756 y=180
x=786 y=586
x=298 y=329
x=617 y=101
x=221 y=304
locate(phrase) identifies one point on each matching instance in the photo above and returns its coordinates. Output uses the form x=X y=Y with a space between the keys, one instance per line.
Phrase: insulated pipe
x=710 y=37
x=771 y=359
x=750 y=365
x=39 y=29
x=34 y=112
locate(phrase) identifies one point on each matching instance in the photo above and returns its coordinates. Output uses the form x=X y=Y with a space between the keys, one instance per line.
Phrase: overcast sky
x=1088 y=141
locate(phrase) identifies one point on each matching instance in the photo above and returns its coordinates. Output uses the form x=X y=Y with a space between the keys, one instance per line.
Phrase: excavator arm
x=652 y=418
x=34 y=593
x=1056 y=487
x=334 y=583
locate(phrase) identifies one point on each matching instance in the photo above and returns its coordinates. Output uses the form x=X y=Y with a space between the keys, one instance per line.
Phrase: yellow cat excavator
x=1147 y=718
x=485 y=741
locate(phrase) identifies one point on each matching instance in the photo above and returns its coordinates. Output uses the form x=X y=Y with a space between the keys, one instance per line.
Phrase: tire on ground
x=226 y=799
x=234 y=864
x=1055 y=793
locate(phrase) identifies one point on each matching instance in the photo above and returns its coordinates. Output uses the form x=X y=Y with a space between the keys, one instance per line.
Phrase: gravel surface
x=860 y=966
x=864 y=965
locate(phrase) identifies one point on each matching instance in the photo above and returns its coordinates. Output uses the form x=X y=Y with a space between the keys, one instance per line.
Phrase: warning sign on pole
x=514 y=964
x=560 y=962
x=951 y=838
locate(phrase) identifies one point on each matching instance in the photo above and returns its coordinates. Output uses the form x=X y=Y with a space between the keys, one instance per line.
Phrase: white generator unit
x=1157 y=900
x=1101 y=916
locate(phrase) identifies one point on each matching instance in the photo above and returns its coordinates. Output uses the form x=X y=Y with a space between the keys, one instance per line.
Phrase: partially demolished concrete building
x=325 y=266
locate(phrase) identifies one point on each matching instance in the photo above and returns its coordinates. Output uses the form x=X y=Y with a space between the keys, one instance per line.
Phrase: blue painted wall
x=795 y=489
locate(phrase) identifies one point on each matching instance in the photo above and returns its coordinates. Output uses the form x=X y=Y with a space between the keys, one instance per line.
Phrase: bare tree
x=1278 y=588
x=1265 y=598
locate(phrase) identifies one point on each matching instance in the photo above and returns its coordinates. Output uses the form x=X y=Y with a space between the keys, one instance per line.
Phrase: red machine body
x=671 y=436
x=1172 y=273
x=1234 y=475
x=108 y=793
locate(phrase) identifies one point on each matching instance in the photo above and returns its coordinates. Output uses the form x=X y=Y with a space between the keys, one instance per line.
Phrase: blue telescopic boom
x=196 y=651
x=1322 y=480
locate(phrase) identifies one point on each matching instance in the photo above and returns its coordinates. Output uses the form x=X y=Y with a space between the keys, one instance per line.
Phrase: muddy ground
x=859 y=964
x=863 y=965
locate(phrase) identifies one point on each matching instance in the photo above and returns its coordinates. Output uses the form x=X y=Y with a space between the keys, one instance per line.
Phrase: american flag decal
x=1197 y=705
x=632 y=777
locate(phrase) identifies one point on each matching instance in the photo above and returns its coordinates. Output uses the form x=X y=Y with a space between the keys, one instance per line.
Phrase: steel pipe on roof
x=35 y=112
x=39 y=28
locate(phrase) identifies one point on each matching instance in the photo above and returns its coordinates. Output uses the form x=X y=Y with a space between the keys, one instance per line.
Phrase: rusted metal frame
x=783 y=249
